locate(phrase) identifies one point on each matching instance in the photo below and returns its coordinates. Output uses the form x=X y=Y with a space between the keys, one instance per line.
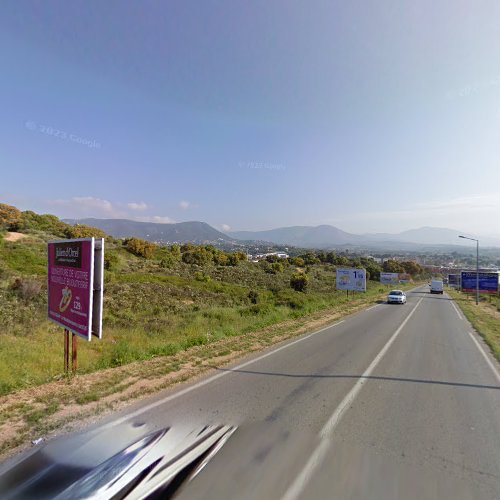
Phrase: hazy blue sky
x=368 y=115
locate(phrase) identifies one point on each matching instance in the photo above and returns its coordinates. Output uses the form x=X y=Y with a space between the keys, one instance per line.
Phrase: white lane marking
x=485 y=356
x=372 y=307
x=297 y=487
x=478 y=345
x=456 y=310
x=211 y=379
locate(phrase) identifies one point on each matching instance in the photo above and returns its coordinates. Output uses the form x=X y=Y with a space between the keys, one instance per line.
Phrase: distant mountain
x=301 y=236
x=181 y=232
x=431 y=236
x=323 y=236
x=330 y=236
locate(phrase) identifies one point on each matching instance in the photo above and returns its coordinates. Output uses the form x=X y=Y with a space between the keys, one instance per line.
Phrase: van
x=437 y=286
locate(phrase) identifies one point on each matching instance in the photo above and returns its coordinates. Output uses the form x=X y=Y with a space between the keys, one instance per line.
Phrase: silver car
x=396 y=297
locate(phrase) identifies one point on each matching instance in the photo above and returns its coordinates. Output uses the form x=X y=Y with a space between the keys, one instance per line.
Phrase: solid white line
x=372 y=307
x=456 y=310
x=478 y=345
x=485 y=356
x=211 y=379
x=297 y=487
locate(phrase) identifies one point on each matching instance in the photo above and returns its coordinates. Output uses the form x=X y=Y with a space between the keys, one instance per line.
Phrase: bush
x=47 y=223
x=141 y=248
x=297 y=261
x=289 y=299
x=200 y=276
x=199 y=256
x=10 y=217
x=277 y=267
x=253 y=296
x=27 y=289
x=83 y=231
x=299 y=282
x=110 y=260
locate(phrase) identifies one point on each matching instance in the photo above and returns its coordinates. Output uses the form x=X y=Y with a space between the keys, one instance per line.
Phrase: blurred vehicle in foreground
x=129 y=462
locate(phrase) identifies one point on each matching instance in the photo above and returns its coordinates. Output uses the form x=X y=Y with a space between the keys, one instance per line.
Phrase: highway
x=398 y=401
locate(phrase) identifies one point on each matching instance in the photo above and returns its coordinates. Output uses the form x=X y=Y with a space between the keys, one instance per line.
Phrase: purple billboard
x=70 y=284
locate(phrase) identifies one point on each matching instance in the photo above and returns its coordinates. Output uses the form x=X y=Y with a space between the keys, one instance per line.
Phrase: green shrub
x=84 y=231
x=10 y=217
x=299 y=282
x=253 y=296
x=141 y=248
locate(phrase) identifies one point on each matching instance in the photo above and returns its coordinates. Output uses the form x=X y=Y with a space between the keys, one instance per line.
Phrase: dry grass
x=484 y=317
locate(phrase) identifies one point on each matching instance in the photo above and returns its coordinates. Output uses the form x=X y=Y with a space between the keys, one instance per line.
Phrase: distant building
x=261 y=256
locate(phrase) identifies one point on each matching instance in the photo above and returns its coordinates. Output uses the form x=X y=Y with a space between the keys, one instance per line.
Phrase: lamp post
x=477 y=265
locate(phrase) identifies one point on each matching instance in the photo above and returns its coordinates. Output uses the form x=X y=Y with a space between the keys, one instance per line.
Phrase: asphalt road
x=394 y=402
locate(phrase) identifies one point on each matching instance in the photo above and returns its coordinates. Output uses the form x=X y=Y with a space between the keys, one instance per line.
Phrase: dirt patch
x=13 y=236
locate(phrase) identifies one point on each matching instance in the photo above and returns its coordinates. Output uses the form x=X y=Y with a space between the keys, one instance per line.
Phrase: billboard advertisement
x=488 y=282
x=70 y=279
x=394 y=278
x=351 y=279
x=389 y=278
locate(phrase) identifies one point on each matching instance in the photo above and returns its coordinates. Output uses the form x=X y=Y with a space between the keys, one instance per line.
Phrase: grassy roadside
x=67 y=403
x=485 y=317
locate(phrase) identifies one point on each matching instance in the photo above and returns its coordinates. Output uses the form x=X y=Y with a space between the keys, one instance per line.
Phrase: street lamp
x=477 y=265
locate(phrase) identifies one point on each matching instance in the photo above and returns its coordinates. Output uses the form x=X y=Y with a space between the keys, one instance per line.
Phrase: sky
x=372 y=116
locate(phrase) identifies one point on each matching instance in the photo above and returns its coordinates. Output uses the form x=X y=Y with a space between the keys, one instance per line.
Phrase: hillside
x=181 y=232
x=301 y=236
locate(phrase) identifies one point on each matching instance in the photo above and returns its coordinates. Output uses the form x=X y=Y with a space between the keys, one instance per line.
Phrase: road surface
x=398 y=401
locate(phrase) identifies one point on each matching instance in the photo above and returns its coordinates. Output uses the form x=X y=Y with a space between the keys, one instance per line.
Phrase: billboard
x=72 y=279
x=394 y=278
x=351 y=279
x=454 y=281
x=488 y=282
x=389 y=278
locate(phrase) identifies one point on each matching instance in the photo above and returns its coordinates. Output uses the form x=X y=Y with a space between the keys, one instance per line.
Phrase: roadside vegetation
x=158 y=301
x=170 y=313
x=484 y=317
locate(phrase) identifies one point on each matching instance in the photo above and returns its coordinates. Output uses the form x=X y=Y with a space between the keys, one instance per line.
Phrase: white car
x=396 y=297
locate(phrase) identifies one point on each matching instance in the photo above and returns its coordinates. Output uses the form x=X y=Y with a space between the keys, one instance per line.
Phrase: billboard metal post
x=74 y=353
x=66 y=350
x=477 y=272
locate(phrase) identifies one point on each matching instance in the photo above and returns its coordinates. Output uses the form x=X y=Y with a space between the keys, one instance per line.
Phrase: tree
x=84 y=231
x=341 y=261
x=198 y=255
x=141 y=248
x=412 y=268
x=299 y=282
x=10 y=217
x=393 y=266
x=372 y=268
x=310 y=258
x=297 y=261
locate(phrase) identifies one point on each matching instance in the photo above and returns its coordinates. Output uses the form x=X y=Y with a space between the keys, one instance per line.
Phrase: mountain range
x=324 y=236
x=181 y=232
